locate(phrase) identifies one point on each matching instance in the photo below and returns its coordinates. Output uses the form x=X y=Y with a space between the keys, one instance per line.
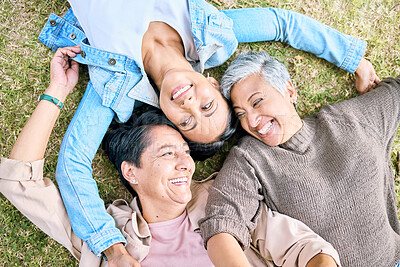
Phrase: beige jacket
x=278 y=240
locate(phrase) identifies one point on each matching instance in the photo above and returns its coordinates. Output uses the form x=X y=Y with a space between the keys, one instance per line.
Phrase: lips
x=266 y=128
x=180 y=91
x=179 y=181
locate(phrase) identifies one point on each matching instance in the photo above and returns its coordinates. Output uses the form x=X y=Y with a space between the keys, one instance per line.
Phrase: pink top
x=174 y=243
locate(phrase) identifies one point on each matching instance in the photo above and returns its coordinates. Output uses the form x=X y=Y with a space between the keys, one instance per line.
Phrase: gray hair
x=246 y=64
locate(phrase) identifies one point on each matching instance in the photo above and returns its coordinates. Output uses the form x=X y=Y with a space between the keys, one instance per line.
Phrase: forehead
x=245 y=88
x=162 y=136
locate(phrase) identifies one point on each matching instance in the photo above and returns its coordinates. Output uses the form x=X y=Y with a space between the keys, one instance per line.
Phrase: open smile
x=266 y=128
x=179 y=181
x=180 y=91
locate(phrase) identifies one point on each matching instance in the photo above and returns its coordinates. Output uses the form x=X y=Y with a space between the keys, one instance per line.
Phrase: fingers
x=67 y=52
x=74 y=66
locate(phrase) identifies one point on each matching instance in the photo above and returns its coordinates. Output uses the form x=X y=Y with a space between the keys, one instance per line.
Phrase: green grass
x=24 y=75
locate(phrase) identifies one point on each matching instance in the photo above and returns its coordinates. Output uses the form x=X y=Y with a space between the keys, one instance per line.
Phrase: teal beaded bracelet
x=54 y=100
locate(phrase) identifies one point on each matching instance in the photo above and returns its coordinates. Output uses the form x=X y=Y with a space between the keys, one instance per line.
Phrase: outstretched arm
x=307 y=34
x=32 y=141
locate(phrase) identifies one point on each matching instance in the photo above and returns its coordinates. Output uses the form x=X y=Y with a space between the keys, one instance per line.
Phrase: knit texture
x=335 y=175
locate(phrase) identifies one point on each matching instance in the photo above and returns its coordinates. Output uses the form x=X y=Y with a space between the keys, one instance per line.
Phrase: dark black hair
x=127 y=141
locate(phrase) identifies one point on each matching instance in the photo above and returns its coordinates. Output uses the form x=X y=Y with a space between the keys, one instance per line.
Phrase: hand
x=366 y=79
x=322 y=260
x=64 y=73
x=117 y=256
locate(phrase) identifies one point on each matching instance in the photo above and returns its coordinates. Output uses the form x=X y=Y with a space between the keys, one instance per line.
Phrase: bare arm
x=32 y=141
x=322 y=260
x=224 y=250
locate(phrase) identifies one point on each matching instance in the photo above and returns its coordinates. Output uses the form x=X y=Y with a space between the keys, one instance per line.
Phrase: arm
x=32 y=141
x=21 y=175
x=289 y=242
x=378 y=111
x=304 y=33
x=224 y=250
x=233 y=204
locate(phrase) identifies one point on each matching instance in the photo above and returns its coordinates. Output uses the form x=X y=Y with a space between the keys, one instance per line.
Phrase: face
x=264 y=112
x=194 y=104
x=166 y=168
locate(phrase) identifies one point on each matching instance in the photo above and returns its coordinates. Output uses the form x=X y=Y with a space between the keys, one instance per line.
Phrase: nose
x=184 y=162
x=253 y=119
x=188 y=101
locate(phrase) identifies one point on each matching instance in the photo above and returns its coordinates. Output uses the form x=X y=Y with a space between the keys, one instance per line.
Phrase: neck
x=162 y=59
x=160 y=212
x=293 y=127
x=162 y=51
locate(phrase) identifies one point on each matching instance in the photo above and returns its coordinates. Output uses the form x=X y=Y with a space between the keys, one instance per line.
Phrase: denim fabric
x=116 y=82
x=298 y=31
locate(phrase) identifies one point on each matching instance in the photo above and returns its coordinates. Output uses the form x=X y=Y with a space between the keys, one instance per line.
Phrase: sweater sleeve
x=234 y=202
x=378 y=110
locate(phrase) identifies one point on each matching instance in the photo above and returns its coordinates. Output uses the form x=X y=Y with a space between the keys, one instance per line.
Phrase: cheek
x=245 y=124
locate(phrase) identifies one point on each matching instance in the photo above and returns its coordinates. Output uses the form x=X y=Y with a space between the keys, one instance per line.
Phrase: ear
x=128 y=171
x=214 y=82
x=292 y=92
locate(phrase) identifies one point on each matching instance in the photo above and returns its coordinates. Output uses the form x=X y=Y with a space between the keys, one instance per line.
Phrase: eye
x=167 y=154
x=240 y=115
x=187 y=151
x=184 y=123
x=257 y=102
x=208 y=106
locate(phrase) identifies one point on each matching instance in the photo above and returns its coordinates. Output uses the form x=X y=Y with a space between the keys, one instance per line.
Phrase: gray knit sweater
x=335 y=175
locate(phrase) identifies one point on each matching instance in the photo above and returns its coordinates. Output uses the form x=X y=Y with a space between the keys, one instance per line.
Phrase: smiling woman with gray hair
x=331 y=170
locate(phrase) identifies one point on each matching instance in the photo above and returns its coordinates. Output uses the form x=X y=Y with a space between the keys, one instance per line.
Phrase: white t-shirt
x=118 y=26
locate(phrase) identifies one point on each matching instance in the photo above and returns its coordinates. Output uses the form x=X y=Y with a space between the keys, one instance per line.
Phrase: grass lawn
x=24 y=75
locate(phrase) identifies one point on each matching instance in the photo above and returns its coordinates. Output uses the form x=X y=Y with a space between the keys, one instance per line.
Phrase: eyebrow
x=248 y=99
x=171 y=146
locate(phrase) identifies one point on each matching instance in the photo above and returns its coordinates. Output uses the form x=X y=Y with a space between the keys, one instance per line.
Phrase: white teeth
x=266 y=128
x=179 y=180
x=181 y=91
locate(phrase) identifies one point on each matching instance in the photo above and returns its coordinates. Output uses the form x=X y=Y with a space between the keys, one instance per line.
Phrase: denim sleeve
x=299 y=31
x=79 y=191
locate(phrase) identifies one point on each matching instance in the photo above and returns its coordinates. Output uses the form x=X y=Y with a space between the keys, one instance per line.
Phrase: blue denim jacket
x=116 y=82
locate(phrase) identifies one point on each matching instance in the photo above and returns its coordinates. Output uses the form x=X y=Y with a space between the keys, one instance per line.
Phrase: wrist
x=114 y=251
x=58 y=91
x=360 y=67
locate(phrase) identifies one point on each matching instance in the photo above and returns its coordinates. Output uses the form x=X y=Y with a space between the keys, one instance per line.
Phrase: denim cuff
x=104 y=239
x=353 y=57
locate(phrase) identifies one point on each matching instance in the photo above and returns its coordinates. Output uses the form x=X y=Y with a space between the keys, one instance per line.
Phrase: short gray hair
x=247 y=64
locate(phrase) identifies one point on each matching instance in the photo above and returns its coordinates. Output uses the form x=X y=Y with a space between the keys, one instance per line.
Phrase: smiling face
x=166 y=170
x=263 y=112
x=194 y=104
